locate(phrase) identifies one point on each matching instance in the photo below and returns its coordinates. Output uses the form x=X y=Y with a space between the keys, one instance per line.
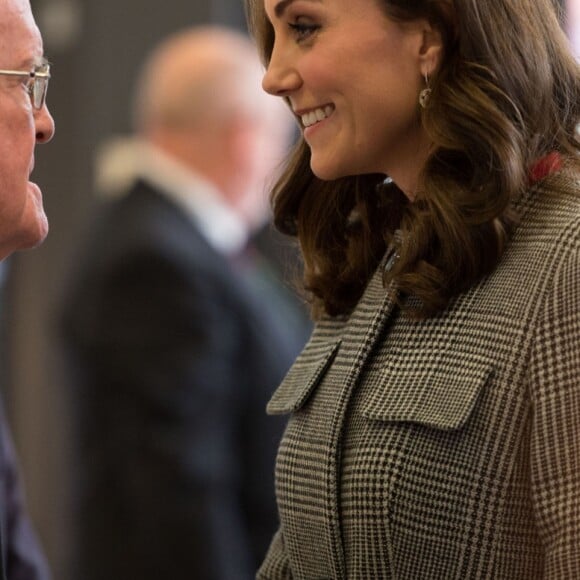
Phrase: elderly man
x=24 y=122
x=169 y=329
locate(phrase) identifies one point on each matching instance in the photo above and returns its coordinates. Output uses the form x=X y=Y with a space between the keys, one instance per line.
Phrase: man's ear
x=241 y=140
x=432 y=48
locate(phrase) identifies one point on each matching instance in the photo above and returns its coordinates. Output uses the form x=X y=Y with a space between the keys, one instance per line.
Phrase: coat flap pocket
x=302 y=377
x=440 y=395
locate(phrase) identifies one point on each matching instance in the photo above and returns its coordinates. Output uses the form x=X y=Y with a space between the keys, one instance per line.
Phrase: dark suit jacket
x=174 y=360
x=446 y=448
x=20 y=555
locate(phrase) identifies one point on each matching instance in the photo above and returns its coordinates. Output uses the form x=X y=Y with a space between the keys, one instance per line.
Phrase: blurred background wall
x=95 y=47
x=573 y=24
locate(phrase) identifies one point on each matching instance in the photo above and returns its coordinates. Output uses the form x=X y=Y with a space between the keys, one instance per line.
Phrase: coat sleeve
x=555 y=440
x=276 y=565
x=21 y=553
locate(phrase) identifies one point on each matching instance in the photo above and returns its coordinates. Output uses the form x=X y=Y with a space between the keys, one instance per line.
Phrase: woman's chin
x=326 y=172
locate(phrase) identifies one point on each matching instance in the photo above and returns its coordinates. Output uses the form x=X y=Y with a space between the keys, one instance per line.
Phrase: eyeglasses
x=37 y=84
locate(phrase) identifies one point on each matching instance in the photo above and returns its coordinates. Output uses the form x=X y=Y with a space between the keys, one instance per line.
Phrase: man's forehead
x=20 y=39
x=15 y=7
x=15 y=15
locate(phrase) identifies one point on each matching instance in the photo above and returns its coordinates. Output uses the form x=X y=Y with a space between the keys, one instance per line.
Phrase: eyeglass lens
x=38 y=92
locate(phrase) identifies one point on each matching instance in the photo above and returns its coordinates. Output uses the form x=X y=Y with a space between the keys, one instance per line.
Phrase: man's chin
x=32 y=234
x=35 y=223
x=37 y=235
x=24 y=240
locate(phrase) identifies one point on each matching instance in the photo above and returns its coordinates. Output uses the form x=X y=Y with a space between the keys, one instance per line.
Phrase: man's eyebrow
x=280 y=8
x=37 y=62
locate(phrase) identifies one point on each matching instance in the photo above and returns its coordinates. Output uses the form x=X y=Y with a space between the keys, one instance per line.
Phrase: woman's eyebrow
x=280 y=8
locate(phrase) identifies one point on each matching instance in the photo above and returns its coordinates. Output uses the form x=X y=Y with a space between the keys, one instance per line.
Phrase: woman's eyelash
x=301 y=30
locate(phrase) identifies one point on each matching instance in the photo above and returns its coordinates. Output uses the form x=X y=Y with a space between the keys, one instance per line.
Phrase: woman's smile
x=372 y=109
x=316 y=115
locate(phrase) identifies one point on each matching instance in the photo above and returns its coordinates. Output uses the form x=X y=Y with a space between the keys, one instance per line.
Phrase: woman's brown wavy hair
x=506 y=94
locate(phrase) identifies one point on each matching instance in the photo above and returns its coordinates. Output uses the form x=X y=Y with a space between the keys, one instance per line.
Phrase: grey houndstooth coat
x=447 y=448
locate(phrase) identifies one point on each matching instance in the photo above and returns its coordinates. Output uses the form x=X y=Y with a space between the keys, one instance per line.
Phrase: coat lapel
x=353 y=338
x=331 y=365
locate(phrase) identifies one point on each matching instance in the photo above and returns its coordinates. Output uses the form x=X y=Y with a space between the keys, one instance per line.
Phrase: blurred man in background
x=172 y=338
x=24 y=123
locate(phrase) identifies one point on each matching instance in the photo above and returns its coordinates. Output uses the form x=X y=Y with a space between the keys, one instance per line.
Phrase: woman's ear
x=432 y=48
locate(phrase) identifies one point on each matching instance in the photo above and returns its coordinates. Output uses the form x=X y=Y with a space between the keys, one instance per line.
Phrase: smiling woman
x=360 y=119
x=432 y=419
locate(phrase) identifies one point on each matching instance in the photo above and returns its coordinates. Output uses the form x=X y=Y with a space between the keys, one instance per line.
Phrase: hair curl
x=506 y=94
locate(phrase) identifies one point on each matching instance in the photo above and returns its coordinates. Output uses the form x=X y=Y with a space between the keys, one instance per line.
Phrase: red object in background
x=544 y=166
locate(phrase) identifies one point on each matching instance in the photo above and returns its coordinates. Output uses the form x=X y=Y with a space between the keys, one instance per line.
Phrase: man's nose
x=44 y=125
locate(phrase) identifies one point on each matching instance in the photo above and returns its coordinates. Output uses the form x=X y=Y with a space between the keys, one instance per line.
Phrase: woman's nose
x=44 y=125
x=281 y=78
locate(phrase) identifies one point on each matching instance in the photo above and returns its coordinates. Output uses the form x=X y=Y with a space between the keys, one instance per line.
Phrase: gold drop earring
x=425 y=94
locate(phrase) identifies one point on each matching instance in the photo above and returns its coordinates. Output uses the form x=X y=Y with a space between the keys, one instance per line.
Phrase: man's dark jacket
x=174 y=356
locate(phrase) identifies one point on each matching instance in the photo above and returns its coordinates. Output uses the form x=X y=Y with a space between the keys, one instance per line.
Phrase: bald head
x=200 y=100
x=197 y=77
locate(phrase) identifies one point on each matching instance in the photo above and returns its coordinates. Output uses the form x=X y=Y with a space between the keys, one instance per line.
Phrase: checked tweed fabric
x=447 y=448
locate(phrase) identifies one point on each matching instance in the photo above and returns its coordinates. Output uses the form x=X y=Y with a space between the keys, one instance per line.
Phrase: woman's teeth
x=316 y=115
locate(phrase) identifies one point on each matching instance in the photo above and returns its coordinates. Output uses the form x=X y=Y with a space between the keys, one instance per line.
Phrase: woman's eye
x=302 y=31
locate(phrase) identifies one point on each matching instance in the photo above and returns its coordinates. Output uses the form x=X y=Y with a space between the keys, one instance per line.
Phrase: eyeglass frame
x=37 y=86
